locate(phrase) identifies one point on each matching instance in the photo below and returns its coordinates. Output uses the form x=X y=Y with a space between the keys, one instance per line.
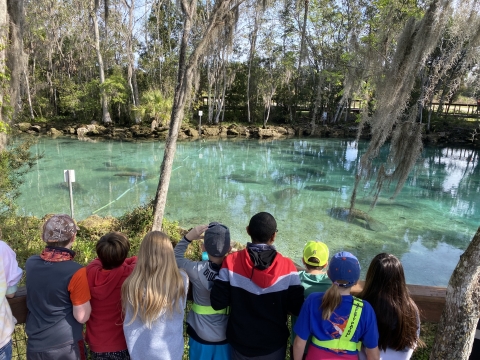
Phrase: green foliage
x=154 y=105
x=115 y=87
x=22 y=234
x=14 y=163
x=4 y=127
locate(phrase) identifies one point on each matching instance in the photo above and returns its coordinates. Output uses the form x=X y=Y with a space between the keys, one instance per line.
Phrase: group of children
x=134 y=307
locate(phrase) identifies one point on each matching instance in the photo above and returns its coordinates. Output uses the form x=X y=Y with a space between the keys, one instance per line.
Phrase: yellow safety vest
x=345 y=341
x=208 y=310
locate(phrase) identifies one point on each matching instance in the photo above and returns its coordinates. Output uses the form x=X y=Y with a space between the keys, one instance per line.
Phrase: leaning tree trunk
x=456 y=330
x=15 y=52
x=179 y=100
x=185 y=77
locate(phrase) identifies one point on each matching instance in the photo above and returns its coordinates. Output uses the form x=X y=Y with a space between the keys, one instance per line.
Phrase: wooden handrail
x=429 y=299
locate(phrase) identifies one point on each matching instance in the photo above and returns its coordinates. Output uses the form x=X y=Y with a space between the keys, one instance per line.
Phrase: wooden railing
x=429 y=299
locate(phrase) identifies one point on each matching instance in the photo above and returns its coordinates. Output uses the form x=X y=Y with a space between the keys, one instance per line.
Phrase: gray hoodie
x=202 y=328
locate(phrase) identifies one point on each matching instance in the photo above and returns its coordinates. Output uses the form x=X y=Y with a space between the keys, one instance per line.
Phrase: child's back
x=337 y=322
x=314 y=278
x=57 y=295
x=154 y=298
x=105 y=276
x=206 y=327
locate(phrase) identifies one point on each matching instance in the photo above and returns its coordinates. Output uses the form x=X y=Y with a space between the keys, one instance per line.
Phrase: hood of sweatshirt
x=103 y=282
x=260 y=264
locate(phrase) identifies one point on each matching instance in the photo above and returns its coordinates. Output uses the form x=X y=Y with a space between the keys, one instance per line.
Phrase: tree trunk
x=185 y=77
x=15 y=52
x=250 y=60
x=179 y=101
x=27 y=85
x=456 y=330
x=105 y=113
x=3 y=56
x=131 y=65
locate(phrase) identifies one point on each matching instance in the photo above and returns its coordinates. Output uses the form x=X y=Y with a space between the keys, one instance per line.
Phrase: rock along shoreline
x=456 y=136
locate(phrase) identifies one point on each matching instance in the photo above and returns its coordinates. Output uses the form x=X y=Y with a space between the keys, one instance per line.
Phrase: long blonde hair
x=331 y=300
x=155 y=286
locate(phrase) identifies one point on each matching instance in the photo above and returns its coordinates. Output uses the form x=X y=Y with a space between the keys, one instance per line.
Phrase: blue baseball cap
x=344 y=266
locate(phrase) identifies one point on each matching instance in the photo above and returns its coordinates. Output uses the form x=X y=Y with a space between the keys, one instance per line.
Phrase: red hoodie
x=105 y=326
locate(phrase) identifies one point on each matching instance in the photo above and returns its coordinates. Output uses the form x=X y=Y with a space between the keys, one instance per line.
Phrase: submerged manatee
x=321 y=188
x=130 y=173
x=382 y=202
x=284 y=194
x=343 y=213
x=240 y=178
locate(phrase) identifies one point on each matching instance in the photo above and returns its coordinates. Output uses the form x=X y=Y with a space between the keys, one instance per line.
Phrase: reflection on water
x=428 y=225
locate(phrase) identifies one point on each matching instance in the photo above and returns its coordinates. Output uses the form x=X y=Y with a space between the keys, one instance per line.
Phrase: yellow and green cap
x=317 y=250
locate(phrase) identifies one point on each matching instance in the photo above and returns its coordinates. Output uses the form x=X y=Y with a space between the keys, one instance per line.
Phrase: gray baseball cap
x=217 y=239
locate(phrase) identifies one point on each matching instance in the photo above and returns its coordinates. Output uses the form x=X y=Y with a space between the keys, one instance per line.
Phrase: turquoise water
x=427 y=226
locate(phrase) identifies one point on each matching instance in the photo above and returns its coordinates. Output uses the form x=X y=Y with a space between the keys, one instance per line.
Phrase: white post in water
x=69 y=176
x=200 y=113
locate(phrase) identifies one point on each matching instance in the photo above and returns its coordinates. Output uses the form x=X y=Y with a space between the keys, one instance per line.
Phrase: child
x=105 y=276
x=154 y=298
x=206 y=327
x=10 y=275
x=398 y=317
x=261 y=287
x=338 y=322
x=314 y=278
x=58 y=297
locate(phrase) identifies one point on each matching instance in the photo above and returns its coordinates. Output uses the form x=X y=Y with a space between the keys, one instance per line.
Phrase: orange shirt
x=78 y=287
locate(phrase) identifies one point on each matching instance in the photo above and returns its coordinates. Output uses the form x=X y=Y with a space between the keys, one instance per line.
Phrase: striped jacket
x=260 y=295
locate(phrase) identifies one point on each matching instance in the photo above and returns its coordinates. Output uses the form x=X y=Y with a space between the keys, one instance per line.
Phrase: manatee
x=129 y=174
x=343 y=213
x=382 y=202
x=76 y=187
x=284 y=194
x=321 y=188
x=244 y=179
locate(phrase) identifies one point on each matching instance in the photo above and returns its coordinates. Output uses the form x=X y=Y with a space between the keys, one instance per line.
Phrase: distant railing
x=356 y=105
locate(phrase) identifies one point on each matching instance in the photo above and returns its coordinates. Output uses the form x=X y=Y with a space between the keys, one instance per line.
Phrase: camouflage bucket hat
x=59 y=228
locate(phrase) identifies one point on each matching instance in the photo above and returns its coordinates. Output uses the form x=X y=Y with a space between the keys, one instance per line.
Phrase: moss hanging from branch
x=394 y=84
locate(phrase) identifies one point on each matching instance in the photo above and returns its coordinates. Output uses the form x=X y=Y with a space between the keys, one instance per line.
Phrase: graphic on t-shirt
x=339 y=323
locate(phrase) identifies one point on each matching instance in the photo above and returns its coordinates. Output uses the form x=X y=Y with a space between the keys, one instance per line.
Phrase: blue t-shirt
x=310 y=322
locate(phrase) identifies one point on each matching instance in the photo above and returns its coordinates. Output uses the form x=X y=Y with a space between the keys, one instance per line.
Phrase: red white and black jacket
x=261 y=287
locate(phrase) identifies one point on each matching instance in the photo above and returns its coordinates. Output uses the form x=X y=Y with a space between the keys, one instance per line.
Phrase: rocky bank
x=462 y=136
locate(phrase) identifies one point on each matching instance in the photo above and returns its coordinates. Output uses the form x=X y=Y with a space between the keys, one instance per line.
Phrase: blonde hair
x=331 y=300
x=155 y=286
